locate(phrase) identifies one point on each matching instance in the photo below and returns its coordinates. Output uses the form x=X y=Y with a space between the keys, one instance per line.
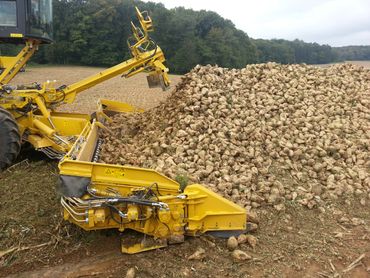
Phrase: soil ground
x=296 y=242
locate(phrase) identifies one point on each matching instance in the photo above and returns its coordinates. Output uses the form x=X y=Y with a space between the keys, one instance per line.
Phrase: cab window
x=8 y=13
x=40 y=20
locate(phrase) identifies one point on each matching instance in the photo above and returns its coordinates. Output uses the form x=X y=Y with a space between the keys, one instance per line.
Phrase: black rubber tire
x=10 y=139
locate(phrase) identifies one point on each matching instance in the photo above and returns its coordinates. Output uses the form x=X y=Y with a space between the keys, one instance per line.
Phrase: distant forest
x=94 y=32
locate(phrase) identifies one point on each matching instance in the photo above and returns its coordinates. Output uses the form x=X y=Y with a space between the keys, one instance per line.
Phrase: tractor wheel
x=10 y=139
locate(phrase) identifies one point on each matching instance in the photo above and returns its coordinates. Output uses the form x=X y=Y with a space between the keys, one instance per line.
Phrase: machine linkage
x=96 y=195
x=34 y=106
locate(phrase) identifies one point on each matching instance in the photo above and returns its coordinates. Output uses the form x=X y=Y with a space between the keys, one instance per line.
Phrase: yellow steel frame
x=140 y=63
x=12 y=65
x=34 y=106
x=192 y=212
x=113 y=191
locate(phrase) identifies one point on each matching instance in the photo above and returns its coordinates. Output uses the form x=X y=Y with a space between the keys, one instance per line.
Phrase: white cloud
x=334 y=22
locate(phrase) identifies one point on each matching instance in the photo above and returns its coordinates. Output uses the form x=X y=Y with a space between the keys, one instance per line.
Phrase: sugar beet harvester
x=95 y=195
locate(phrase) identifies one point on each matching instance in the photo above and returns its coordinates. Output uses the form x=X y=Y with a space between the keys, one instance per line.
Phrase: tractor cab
x=22 y=20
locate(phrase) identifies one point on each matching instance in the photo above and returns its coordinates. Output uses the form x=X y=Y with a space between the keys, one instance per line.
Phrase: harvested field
x=133 y=90
x=365 y=64
x=326 y=241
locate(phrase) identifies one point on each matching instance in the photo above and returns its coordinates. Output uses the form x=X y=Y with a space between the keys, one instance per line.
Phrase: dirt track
x=302 y=243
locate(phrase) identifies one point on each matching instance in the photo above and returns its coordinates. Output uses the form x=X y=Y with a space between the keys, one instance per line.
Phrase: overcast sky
x=333 y=22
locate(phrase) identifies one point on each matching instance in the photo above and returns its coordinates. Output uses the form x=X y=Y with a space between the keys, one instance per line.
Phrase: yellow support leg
x=12 y=65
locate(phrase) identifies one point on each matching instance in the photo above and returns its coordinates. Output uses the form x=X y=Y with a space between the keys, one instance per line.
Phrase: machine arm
x=147 y=57
x=148 y=61
x=34 y=106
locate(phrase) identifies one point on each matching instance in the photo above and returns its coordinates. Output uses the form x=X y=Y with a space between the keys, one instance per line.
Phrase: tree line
x=297 y=51
x=356 y=52
x=94 y=32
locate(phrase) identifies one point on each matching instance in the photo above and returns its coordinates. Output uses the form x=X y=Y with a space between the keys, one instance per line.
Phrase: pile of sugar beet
x=261 y=135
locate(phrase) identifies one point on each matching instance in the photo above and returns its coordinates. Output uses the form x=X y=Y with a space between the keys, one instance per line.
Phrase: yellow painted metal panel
x=14 y=64
x=119 y=107
x=208 y=211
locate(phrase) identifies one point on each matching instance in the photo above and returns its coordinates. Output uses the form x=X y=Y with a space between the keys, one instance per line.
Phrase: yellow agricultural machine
x=95 y=195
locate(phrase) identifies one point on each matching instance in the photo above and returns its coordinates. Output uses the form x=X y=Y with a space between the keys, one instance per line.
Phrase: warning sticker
x=118 y=173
